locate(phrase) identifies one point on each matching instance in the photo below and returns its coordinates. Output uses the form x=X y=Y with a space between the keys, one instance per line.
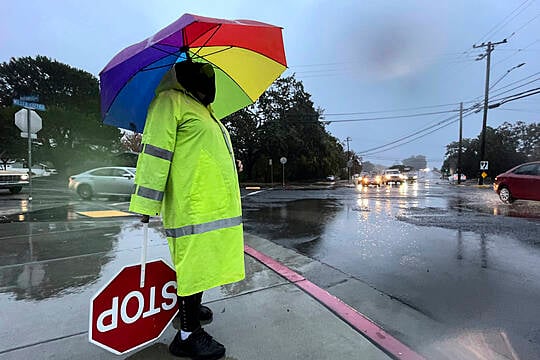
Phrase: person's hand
x=239 y=166
x=145 y=219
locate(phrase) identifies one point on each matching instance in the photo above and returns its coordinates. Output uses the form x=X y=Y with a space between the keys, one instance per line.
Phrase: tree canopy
x=506 y=146
x=72 y=134
x=285 y=123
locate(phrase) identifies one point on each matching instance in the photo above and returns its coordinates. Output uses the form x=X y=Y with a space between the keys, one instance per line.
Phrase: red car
x=520 y=182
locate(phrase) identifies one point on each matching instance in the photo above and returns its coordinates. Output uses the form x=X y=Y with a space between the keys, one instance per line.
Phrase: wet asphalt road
x=454 y=254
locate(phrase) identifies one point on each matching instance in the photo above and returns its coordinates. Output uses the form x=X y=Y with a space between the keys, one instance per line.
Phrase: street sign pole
x=283 y=161
x=28 y=103
x=271 y=173
x=29 y=154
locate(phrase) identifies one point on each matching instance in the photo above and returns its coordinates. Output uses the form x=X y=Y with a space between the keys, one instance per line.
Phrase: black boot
x=198 y=346
x=205 y=315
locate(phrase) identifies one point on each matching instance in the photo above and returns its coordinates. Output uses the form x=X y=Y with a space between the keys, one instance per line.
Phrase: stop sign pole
x=143 y=254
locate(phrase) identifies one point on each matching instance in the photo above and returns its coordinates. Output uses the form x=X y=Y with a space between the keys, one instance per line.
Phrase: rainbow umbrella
x=247 y=57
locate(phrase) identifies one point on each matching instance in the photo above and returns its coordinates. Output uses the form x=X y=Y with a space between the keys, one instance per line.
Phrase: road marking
x=253 y=193
x=104 y=213
x=355 y=319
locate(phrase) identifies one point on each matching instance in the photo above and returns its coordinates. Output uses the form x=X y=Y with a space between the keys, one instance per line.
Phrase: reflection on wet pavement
x=301 y=220
x=436 y=249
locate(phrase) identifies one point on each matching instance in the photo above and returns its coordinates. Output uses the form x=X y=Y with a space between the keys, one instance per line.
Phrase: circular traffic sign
x=283 y=160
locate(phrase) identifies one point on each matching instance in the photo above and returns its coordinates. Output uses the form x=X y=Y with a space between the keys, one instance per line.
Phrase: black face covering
x=197 y=78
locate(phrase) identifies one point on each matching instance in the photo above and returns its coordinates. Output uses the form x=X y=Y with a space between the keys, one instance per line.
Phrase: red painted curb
x=357 y=320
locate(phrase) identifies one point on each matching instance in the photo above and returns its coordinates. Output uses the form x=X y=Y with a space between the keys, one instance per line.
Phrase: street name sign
x=28 y=104
x=125 y=316
x=32 y=135
x=31 y=98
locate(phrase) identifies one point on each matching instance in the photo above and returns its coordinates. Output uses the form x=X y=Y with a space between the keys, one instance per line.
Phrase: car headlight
x=24 y=177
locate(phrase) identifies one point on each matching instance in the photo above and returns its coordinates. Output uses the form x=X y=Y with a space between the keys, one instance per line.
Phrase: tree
x=12 y=146
x=284 y=122
x=73 y=135
x=416 y=162
x=506 y=146
x=132 y=142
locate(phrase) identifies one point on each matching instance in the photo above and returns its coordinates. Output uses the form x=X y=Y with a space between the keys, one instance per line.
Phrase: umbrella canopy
x=247 y=57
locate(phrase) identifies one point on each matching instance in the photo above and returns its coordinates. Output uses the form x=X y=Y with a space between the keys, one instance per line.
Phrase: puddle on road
x=49 y=262
x=49 y=214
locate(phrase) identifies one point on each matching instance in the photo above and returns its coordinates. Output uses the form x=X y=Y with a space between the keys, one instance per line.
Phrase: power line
x=504 y=75
x=416 y=138
x=521 y=27
x=507 y=19
x=441 y=125
x=514 y=88
x=531 y=111
x=516 y=97
x=516 y=52
x=408 y=136
x=394 y=110
x=391 y=117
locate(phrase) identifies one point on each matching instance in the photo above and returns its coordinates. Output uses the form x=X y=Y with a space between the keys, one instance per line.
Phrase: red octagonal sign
x=124 y=316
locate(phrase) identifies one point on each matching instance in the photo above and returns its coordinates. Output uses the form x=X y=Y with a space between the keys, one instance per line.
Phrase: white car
x=37 y=169
x=13 y=180
x=105 y=181
x=393 y=176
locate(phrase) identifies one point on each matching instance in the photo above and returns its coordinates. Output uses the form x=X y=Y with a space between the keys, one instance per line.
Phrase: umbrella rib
x=157 y=67
x=216 y=29
x=213 y=53
x=162 y=50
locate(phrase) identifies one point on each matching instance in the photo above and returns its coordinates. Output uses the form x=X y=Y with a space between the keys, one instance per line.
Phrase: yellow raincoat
x=187 y=173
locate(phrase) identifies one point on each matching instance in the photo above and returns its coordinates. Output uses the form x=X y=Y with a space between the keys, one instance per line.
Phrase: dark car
x=521 y=182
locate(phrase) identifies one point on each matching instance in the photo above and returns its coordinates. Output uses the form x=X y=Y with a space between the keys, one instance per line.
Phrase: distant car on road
x=371 y=179
x=410 y=176
x=13 y=180
x=331 y=178
x=106 y=181
x=37 y=169
x=521 y=182
x=393 y=176
x=453 y=178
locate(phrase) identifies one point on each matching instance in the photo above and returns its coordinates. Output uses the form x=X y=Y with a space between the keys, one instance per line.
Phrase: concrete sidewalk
x=266 y=316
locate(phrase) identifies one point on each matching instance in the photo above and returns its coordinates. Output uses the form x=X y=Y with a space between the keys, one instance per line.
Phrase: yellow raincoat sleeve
x=158 y=143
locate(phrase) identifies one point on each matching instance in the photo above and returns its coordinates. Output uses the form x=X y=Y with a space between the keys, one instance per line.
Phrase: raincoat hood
x=169 y=82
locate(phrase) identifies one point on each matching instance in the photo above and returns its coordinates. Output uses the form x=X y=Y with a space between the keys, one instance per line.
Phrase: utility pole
x=348 y=161
x=489 y=48
x=460 y=143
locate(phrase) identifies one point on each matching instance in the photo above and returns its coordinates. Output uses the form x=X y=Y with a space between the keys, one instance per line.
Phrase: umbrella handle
x=143 y=253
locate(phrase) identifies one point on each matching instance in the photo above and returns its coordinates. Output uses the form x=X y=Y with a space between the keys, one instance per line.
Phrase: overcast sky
x=359 y=60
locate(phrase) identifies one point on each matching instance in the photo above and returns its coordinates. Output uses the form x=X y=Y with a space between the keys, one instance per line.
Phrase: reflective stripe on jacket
x=186 y=172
